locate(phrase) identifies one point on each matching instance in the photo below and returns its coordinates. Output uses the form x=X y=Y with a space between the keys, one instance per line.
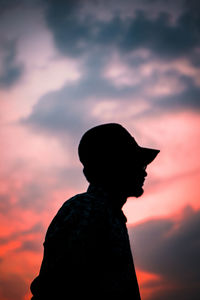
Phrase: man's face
x=130 y=176
x=133 y=182
x=121 y=172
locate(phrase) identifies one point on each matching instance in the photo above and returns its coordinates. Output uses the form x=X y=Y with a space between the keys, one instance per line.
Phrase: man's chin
x=137 y=192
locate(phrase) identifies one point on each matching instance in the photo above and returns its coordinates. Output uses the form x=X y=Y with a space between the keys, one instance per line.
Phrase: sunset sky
x=66 y=66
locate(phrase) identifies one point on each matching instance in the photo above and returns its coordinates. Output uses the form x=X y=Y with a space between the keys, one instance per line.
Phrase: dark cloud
x=158 y=35
x=37 y=228
x=5 y=203
x=186 y=100
x=11 y=70
x=75 y=35
x=171 y=250
x=58 y=113
x=12 y=286
x=69 y=110
x=8 y=4
x=31 y=246
x=37 y=195
x=69 y=33
x=181 y=292
x=189 y=100
x=28 y=197
x=33 y=195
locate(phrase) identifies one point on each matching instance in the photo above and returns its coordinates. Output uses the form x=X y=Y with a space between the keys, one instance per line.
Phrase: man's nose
x=144 y=172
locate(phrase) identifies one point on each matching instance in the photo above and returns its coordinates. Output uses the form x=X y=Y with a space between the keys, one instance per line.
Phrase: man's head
x=112 y=158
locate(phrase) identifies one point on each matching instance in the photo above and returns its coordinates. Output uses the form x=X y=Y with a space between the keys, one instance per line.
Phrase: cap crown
x=106 y=142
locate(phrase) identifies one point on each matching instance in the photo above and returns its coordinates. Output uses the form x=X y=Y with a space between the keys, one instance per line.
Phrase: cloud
x=76 y=33
x=5 y=204
x=30 y=246
x=23 y=240
x=17 y=18
x=188 y=99
x=12 y=286
x=125 y=58
x=177 y=293
x=103 y=10
x=160 y=36
x=159 y=86
x=171 y=250
x=69 y=110
x=27 y=194
x=10 y=70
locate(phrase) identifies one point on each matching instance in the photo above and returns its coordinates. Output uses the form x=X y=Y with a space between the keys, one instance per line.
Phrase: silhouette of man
x=86 y=250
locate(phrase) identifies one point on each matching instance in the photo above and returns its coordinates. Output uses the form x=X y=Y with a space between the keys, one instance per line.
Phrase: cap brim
x=148 y=155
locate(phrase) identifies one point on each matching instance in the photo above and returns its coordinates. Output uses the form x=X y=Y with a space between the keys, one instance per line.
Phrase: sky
x=66 y=66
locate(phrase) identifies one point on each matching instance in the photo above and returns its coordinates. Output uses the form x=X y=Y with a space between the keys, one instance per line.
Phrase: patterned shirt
x=87 y=252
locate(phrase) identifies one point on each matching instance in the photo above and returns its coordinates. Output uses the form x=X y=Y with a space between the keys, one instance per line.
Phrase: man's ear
x=91 y=174
x=87 y=174
x=94 y=174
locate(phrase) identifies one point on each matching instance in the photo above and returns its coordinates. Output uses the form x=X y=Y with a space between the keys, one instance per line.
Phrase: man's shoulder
x=78 y=211
x=81 y=204
x=77 y=201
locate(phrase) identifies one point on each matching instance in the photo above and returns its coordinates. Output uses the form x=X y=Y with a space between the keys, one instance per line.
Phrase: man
x=86 y=250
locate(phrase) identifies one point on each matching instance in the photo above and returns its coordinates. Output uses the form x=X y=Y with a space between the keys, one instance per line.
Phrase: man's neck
x=116 y=197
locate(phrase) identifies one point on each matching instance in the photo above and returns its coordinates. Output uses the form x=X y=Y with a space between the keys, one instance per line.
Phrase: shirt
x=87 y=252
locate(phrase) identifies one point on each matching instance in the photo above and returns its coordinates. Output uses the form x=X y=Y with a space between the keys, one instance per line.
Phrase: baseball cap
x=110 y=141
